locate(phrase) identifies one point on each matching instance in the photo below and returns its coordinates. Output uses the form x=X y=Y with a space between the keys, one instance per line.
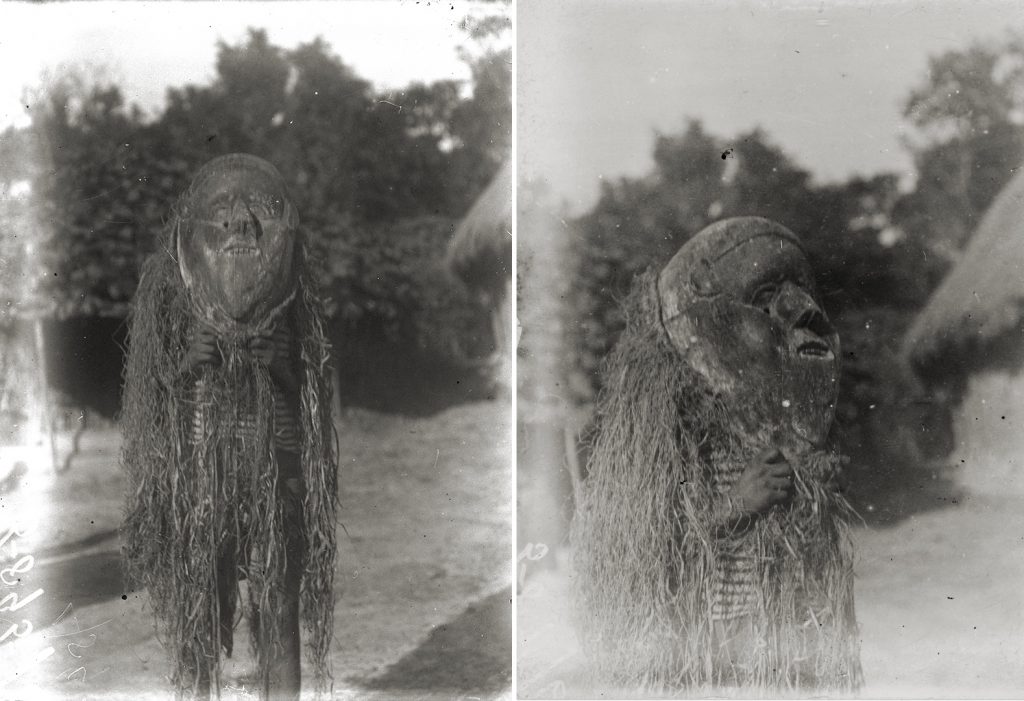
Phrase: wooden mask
x=236 y=242
x=738 y=301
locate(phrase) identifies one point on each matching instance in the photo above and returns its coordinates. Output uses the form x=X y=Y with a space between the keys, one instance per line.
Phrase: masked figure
x=711 y=542
x=228 y=441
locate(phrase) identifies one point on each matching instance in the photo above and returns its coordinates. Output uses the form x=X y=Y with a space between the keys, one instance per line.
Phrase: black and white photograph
x=495 y=349
x=257 y=350
x=769 y=376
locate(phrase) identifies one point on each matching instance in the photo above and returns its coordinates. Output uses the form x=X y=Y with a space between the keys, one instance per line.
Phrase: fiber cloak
x=192 y=503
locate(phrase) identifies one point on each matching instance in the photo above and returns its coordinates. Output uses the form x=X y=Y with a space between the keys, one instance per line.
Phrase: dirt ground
x=938 y=592
x=424 y=603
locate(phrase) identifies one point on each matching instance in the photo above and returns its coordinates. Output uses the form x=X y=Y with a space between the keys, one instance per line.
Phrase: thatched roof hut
x=979 y=306
x=967 y=345
x=481 y=250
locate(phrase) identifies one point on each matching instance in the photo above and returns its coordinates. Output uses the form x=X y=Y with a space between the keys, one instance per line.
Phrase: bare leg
x=201 y=686
x=734 y=642
x=285 y=670
x=203 y=655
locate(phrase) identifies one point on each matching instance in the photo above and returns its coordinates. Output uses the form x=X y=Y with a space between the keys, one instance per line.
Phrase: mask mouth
x=809 y=345
x=240 y=249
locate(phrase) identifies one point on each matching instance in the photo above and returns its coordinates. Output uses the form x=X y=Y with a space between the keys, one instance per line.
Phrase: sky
x=596 y=78
x=148 y=46
x=825 y=80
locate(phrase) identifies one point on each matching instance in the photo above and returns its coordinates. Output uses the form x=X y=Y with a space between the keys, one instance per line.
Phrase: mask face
x=739 y=302
x=236 y=246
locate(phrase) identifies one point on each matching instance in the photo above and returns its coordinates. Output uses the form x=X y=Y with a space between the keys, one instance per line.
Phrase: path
x=424 y=606
x=939 y=601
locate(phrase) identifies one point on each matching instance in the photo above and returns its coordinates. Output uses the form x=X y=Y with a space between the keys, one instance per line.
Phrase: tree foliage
x=873 y=246
x=878 y=251
x=698 y=178
x=871 y=279
x=967 y=140
x=87 y=193
x=361 y=162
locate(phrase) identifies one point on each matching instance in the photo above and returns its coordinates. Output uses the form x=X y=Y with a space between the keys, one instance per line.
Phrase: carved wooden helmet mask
x=236 y=242
x=738 y=301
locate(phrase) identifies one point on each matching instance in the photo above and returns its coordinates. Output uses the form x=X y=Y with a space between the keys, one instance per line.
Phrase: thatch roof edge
x=963 y=345
x=981 y=300
x=482 y=243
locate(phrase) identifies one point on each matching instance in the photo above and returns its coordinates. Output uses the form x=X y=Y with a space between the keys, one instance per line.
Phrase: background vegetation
x=878 y=246
x=380 y=180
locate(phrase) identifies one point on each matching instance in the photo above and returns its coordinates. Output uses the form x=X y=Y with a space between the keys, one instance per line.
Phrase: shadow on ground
x=891 y=494
x=397 y=376
x=74 y=546
x=471 y=653
x=70 y=584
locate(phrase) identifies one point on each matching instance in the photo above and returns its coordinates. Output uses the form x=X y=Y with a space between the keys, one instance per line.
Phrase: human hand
x=274 y=357
x=263 y=348
x=203 y=350
x=766 y=481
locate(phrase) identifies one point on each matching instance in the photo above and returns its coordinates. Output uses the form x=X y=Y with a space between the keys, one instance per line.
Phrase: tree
x=640 y=222
x=84 y=193
x=379 y=179
x=966 y=139
x=698 y=178
x=105 y=177
x=481 y=128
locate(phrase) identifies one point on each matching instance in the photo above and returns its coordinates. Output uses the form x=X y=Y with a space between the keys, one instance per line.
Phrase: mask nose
x=797 y=310
x=243 y=222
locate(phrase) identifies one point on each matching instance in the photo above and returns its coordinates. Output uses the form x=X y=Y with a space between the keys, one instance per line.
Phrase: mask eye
x=265 y=207
x=219 y=210
x=763 y=297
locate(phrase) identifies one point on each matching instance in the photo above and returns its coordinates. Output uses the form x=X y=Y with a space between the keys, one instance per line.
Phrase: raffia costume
x=725 y=352
x=228 y=476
